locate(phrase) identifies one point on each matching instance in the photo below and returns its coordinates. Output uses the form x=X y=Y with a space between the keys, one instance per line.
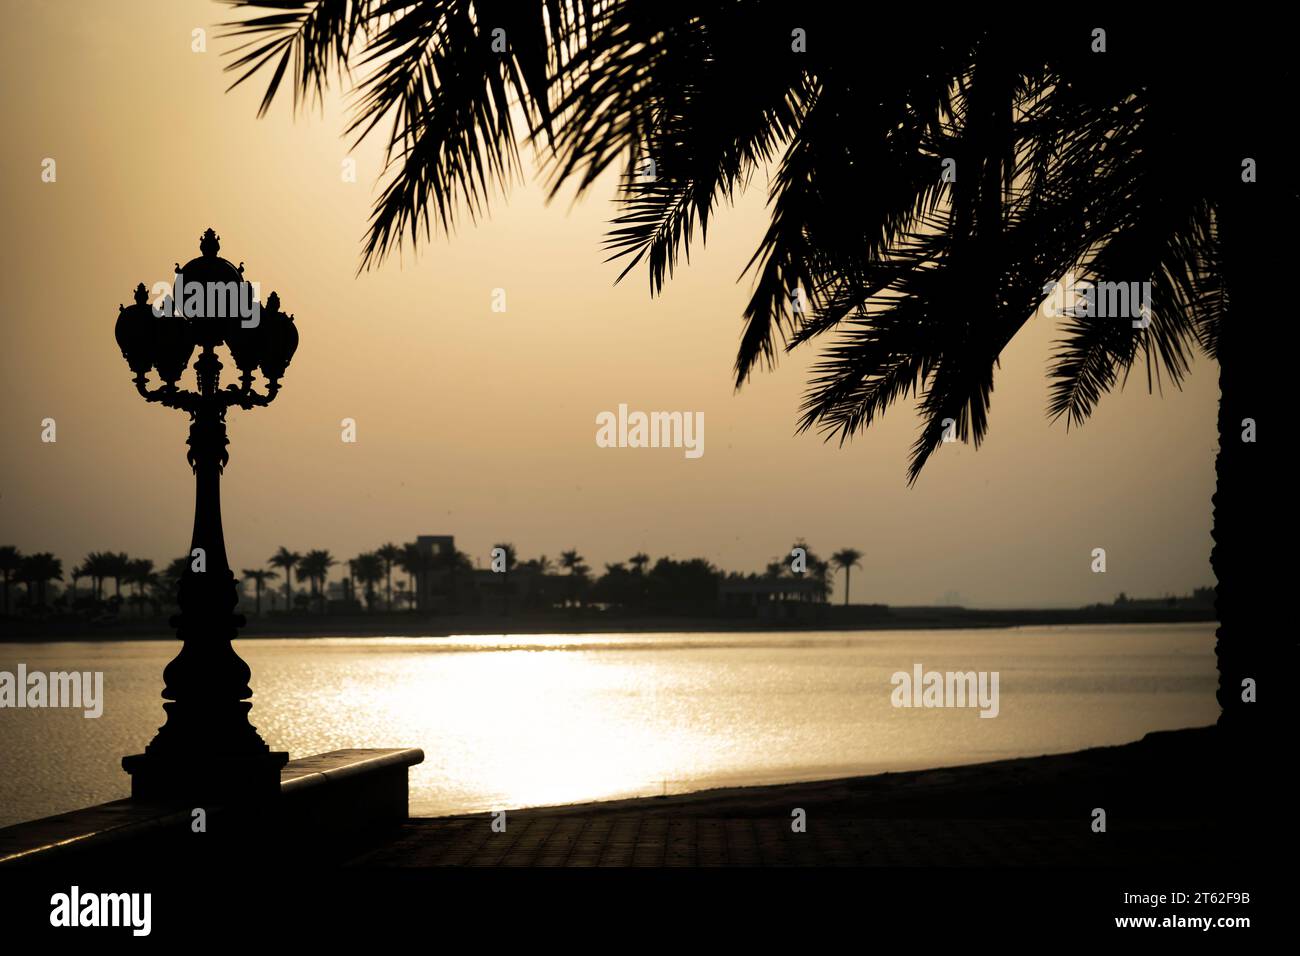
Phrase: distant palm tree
x=315 y=565
x=821 y=574
x=259 y=578
x=348 y=583
x=98 y=565
x=638 y=562
x=164 y=590
x=389 y=553
x=457 y=564
x=108 y=568
x=171 y=578
x=140 y=573
x=11 y=560
x=413 y=562
x=287 y=561
x=571 y=561
x=848 y=559
x=369 y=572
x=978 y=170
x=811 y=560
x=510 y=554
x=118 y=567
x=36 y=570
x=76 y=574
x=145 y=593
x=307 y=571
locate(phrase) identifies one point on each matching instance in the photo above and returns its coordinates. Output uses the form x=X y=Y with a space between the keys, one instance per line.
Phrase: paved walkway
x=1036 y=811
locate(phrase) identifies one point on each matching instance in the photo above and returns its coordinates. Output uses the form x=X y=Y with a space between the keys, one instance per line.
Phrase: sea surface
x=535 y=720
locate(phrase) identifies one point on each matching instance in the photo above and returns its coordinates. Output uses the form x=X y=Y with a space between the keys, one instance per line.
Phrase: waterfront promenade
x=1161 y=808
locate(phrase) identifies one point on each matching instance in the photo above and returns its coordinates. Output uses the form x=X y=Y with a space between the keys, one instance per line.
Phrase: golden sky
x=478 y=423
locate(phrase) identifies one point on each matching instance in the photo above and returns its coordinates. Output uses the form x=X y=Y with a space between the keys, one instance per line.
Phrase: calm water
x=535 y=720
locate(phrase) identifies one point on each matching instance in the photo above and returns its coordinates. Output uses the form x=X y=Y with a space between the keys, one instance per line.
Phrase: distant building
x=436 y=544
x=768 y=597
x=434 y=584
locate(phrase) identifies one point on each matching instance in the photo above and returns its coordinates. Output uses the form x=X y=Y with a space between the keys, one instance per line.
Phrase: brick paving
x=1036 y=811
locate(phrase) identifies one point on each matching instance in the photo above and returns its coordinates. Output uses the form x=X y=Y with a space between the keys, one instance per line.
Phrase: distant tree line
x=110 y=583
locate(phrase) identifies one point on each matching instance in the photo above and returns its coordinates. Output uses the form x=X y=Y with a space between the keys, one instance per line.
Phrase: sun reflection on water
x=529 y=720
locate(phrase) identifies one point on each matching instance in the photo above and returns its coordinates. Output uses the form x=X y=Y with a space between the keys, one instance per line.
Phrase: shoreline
x=1165 y=802
x=861 y=618
x=952 y=779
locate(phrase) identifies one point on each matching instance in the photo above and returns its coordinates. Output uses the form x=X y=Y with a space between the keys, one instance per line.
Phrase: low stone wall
x=329 y=806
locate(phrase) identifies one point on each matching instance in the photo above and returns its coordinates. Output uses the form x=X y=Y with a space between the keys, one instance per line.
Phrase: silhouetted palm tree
x=76 y=574
x=94 y=566
x=349 y=589
x=259 y=578
x=139 y=572
x=926 y=195
x=165 y=590
x=171 y=577
x=848 y=559
x=389 y=553
x=457 y=565
x=638 y=562
x=11 y=560
x=369 y=572
x=510 y=555
x=412 y=562
x=118 y=567
x=287 y=561
x=36 y=570
x=315 y=565
x=571 y=561
x=821 y=574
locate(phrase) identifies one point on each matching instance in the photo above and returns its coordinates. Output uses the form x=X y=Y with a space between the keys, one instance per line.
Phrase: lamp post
x=206 y=748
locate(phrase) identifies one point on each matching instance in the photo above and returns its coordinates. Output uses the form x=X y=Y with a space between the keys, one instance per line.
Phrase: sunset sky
x=482 y=424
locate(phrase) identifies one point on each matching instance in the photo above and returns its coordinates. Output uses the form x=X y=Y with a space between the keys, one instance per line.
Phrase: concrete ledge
x=328 y=804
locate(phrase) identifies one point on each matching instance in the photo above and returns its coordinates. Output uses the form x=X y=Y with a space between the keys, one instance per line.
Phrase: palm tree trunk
x=847 y=571
x=1251 y=650
x=258 y=583
x=288 y=589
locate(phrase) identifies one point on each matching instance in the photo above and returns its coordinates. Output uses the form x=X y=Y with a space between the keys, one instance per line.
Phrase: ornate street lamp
x=207 y=748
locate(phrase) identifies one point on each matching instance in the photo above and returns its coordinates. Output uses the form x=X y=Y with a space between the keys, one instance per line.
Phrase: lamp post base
x=205 y=778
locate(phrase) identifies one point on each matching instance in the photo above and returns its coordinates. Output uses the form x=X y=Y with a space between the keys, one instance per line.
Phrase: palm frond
x=316 y=35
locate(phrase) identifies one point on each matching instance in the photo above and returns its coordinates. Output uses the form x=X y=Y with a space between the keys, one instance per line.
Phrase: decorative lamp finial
x=210 y=244
x=141 y=294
